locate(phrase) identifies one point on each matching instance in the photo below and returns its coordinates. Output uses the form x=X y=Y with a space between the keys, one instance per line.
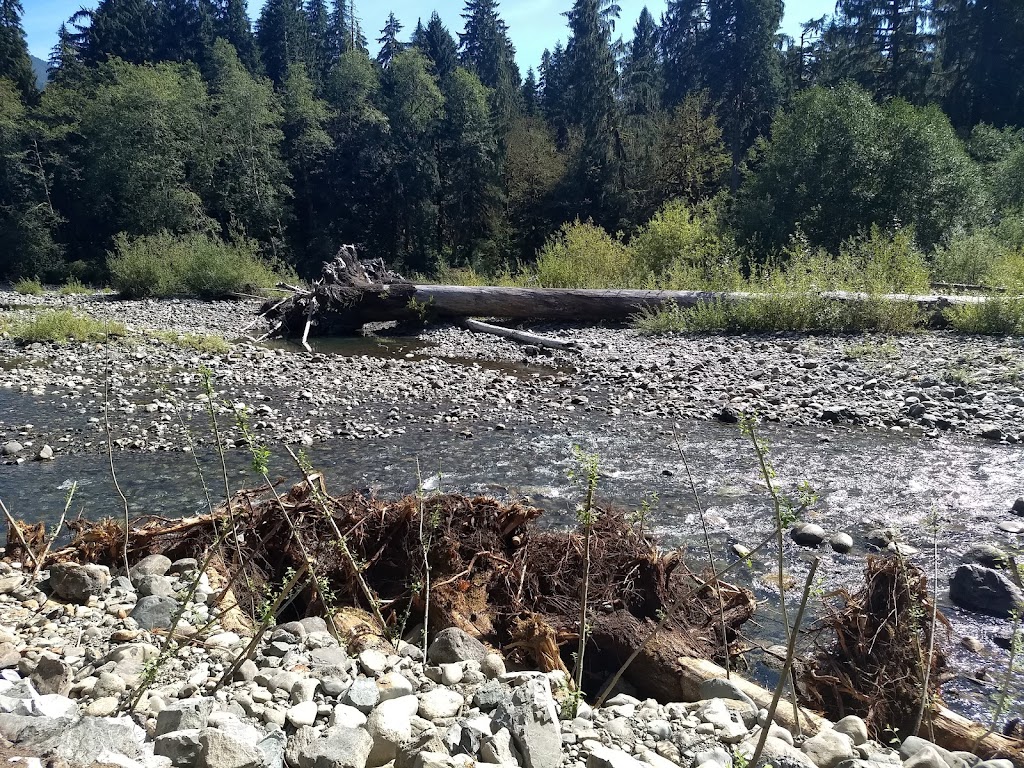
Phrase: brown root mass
x=874 y=663
x=493 y=573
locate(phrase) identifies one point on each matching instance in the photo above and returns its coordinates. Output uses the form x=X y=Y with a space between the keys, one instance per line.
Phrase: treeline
x=174 y=117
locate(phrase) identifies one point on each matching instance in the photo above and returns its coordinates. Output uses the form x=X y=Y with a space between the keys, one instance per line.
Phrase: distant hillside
x=39 y=67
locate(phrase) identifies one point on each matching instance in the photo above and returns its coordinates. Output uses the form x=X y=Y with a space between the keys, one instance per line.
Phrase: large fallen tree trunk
x=352 y=294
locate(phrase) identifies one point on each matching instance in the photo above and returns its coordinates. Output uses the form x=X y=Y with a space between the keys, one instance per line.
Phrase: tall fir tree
x=15 y=64
x=282 y=36
x=439 y=46
x=487 y=52
x=642 y=80
x=125 y=29
x=185 y=30
x=65 y=65
x=744 y=71
x=884 y=45
x=531 y=94
x=591 y=80
x=980 y=68
x=233 y=25
x=390 y=45
x=320 y=56
x=684 y=43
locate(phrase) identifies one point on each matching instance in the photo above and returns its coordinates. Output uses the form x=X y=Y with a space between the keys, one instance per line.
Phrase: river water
x=863 y=480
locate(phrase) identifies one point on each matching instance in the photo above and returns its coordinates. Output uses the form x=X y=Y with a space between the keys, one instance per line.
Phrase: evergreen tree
x=591 y=106
x=233 y=25
x=338 y=30
x=185 y=30
x=282 y=36
x=884 y=45
x=684 y=43
x=981 y=60
x=744 y=71
x=306 y=147
x=470 y=199
x=531 y=94
x=438 y=45
x=554 y=91
x=15 y=64
x=642 y=79
x=244 y=180
x=65 y=65
x=320 y=57
x=390 y=45
x=125 y=29
x=487 y=52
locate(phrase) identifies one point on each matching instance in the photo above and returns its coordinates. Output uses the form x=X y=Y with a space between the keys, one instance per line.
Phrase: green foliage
x=194 y=265
x=74 y=287
x=583 y=255
x=997 y=315
x=683 y=247
x=197 y=342
x=29 y=286
x=828 y=170
x=63 y=326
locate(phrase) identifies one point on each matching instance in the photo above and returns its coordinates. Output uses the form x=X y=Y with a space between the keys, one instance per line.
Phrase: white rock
x=224 y=640
x=347 y=717
x=605 y=757
x=302 y=714
x=390 y=724
x=373 y=662
x=440 y=703
x=828 y=748
x=394 y=685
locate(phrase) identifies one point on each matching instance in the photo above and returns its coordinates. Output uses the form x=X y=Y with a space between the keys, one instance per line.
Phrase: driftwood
x=351 y=294
x=523 y=337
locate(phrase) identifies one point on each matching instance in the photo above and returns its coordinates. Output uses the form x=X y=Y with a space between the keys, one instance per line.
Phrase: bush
x=63 y=326
x=997 y=315
x=682 y=248
x=194 y=265
x=583 y=255
x=985 y=257
x=29 y=287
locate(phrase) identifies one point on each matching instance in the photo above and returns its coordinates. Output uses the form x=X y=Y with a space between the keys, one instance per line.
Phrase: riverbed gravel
x=929 y=383
x=88 y=678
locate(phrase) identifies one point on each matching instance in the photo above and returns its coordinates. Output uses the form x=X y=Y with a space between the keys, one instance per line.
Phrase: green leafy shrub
x=583 y=255
x=29 y=287
x=683 y=248
x=997 y=315
x=63 y=326
x=194 y=265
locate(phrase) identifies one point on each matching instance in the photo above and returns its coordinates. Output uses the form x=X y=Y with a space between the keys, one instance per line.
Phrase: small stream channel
x=863 y=480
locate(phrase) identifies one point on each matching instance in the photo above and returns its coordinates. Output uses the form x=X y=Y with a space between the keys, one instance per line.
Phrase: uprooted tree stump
x=876 y=659
x=493 y=573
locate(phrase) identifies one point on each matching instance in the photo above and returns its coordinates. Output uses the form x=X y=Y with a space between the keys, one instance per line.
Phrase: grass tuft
x=198 y=342
x=74 y=287
x=29 y=287
x=63 y=326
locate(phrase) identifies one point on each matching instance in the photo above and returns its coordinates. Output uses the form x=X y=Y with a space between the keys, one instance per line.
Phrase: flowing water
x=863 y=480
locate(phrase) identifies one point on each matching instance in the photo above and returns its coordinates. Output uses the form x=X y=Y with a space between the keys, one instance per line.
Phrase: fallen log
x=523 y=337
x=352 y=293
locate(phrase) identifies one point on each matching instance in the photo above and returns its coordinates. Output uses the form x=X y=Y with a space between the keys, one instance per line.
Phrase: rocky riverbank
x=78 y=647
x=930 y=383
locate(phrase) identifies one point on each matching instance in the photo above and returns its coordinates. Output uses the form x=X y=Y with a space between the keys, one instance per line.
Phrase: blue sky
x=533 y=24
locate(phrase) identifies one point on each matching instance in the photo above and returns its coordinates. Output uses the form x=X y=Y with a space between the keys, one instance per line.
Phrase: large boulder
x=93 y=740
x=534 y=724
x=218 y=749
x=829 y=748
x=154 y=612
x=390 y=725
x=339 y=747
x=452 y=646
x=77 y=583
x=985 y=590
x=154 y=565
